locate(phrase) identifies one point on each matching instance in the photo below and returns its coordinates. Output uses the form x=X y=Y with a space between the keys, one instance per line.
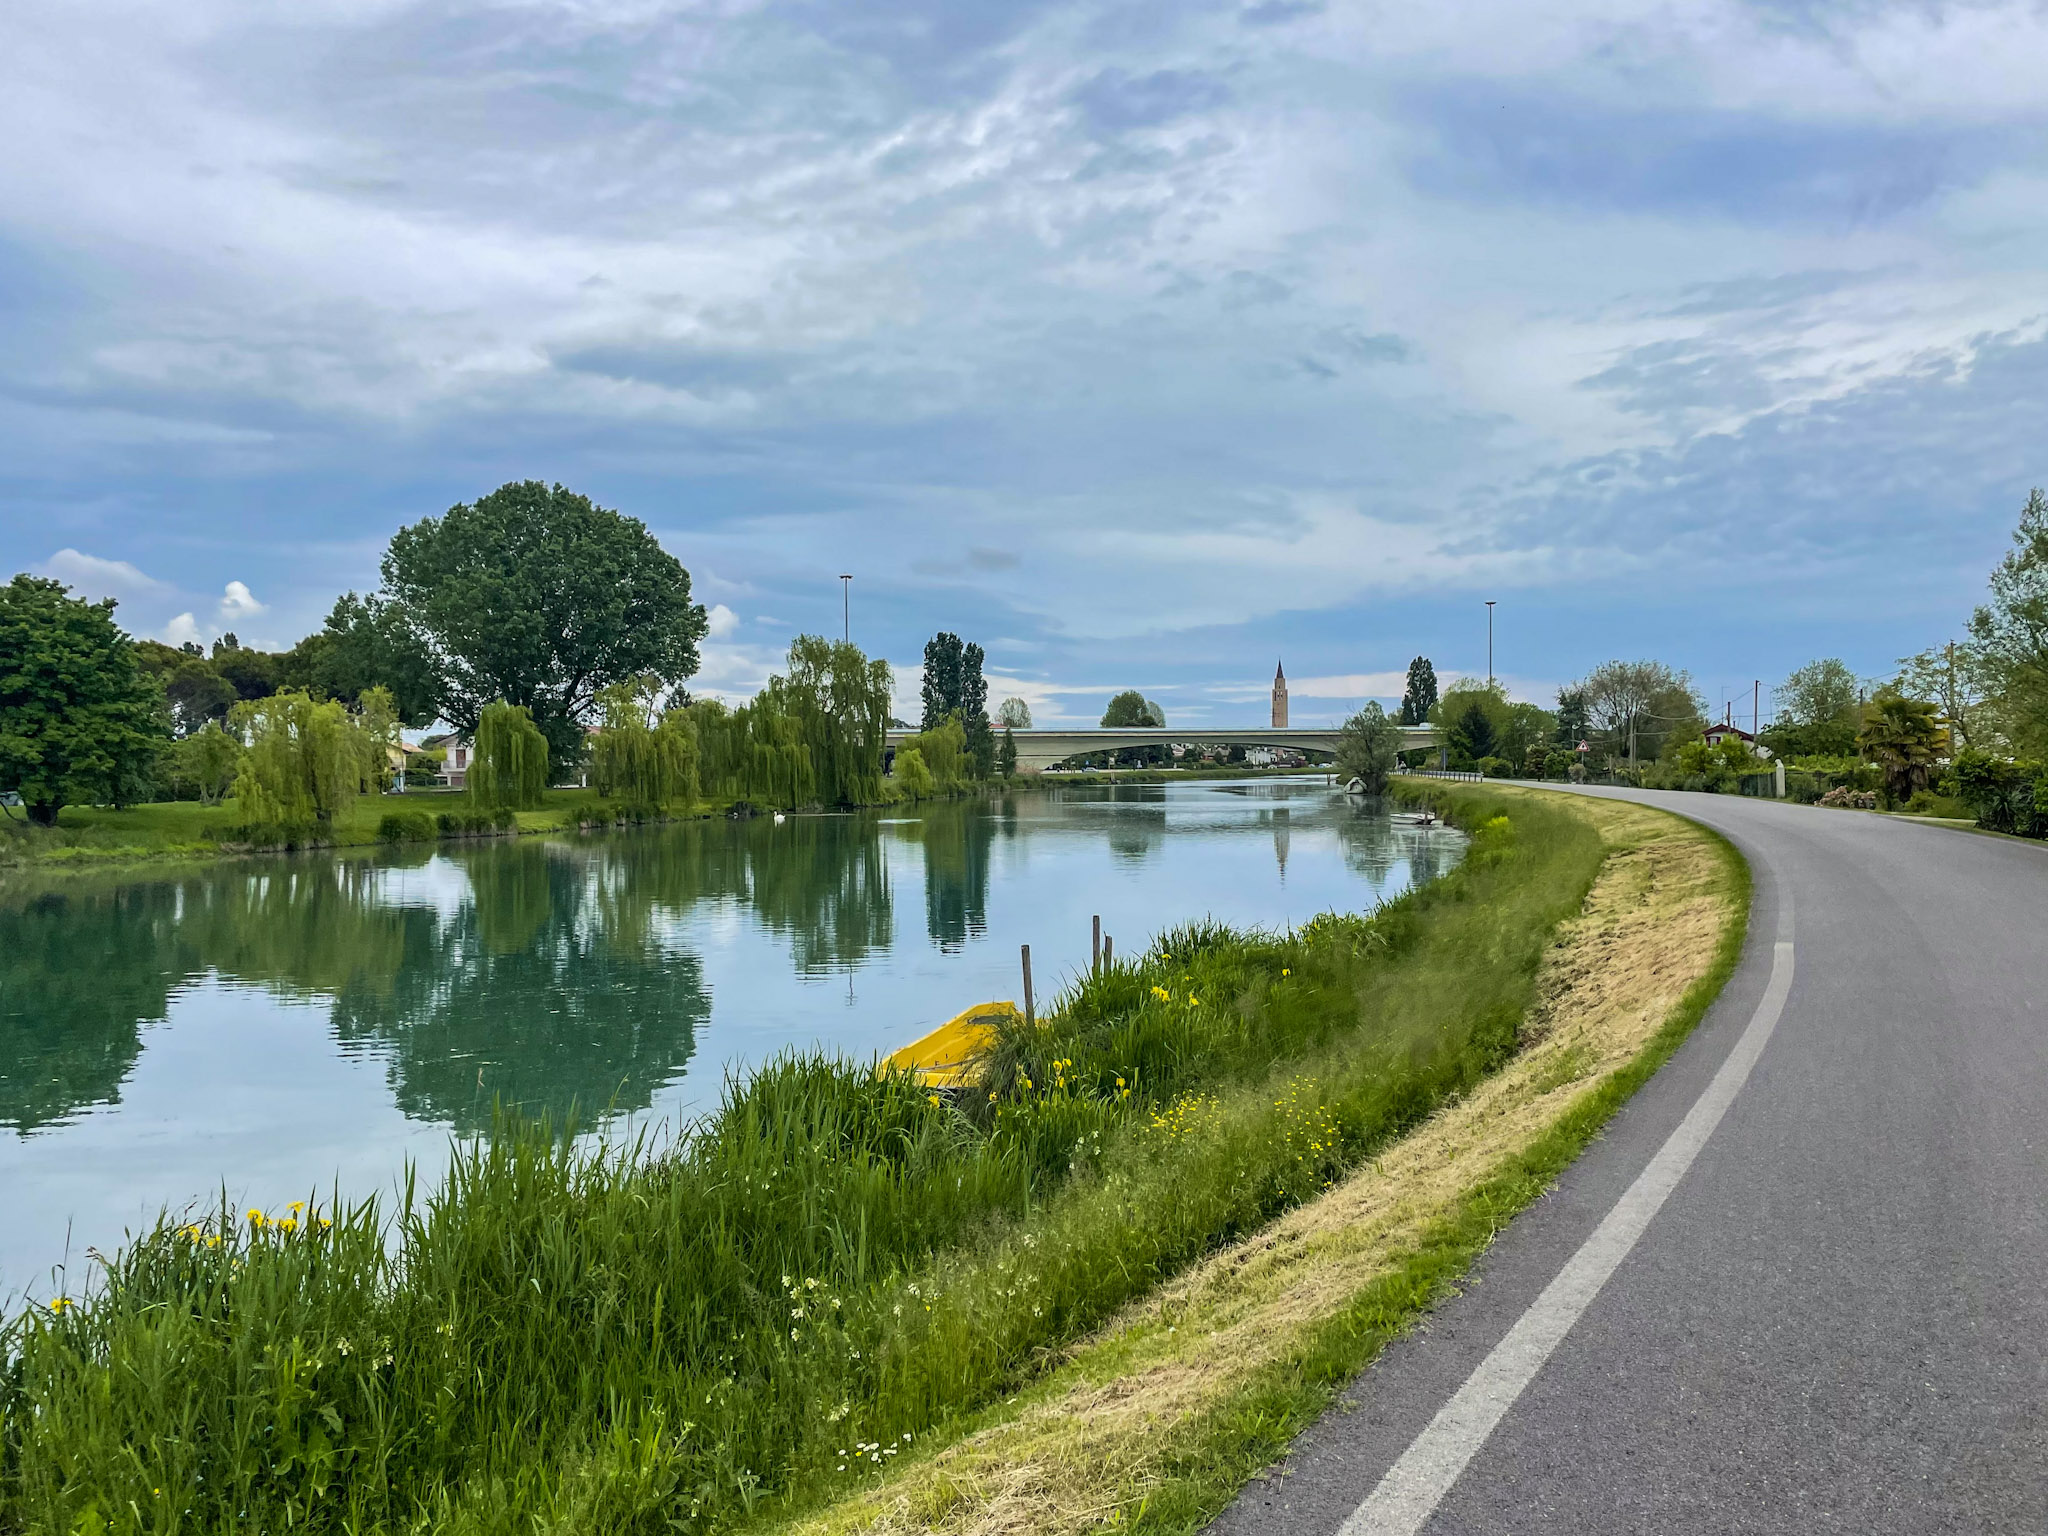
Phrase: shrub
x=1495 y=767
x=2005 y=794
x=407 y=827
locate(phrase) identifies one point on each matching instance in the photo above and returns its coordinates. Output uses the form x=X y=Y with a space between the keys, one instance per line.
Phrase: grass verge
x=833 y=1271
x=1157 y=1421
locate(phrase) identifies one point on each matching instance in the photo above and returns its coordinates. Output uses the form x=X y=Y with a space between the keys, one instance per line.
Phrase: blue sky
x=1142 y=343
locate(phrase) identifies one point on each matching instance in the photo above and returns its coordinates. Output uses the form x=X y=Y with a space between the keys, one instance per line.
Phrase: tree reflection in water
x=548 y=973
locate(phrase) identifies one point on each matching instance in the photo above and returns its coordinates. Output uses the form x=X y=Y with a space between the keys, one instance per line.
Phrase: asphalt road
x=1838 y=1319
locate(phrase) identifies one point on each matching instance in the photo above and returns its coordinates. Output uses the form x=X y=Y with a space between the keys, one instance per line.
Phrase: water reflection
x=308 y=1011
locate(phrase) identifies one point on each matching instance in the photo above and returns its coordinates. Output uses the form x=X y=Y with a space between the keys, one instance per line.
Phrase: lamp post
x=845 y=606
x=1489 y=640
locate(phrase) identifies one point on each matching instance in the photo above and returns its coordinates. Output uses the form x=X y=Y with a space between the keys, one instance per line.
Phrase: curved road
x=1837 y=1318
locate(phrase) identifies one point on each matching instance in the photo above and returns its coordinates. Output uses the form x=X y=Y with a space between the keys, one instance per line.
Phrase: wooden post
x=1108 y=950
x=1030 y=1009
x=1095 y=949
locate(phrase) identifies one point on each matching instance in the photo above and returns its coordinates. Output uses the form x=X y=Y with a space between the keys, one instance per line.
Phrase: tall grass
x=832 y=1265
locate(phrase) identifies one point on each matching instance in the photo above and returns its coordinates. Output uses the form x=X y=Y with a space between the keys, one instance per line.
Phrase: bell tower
x=1279 y=697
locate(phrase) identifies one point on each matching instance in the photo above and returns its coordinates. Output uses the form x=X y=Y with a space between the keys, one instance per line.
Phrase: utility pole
x=1756 y=704
x=846 y=607
x=1489 y=641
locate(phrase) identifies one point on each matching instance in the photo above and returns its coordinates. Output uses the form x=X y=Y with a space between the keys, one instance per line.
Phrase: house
x=455 y=749
x=1714 y=735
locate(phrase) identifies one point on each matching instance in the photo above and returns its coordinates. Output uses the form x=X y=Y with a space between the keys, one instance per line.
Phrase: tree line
x=554 y=635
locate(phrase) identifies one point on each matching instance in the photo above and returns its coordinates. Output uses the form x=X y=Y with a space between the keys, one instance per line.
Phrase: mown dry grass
x=1132 y=1408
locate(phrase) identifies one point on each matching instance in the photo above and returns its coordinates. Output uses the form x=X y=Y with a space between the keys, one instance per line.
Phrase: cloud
x=721 y=621
x=91 y=576
x=239 y=603
x=182 y=630
x=1151 y=338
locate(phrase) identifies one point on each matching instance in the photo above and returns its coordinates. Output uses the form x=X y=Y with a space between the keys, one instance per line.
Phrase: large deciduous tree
x=1367 y=748
x=1132 y=709
x=540 y=597
x=367 y=643
x=1819 y=707
x=1639 y=706
x=2011 y=632
x=78 y=718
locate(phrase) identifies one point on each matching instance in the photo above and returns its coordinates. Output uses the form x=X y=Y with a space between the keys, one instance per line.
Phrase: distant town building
x=1279 y=697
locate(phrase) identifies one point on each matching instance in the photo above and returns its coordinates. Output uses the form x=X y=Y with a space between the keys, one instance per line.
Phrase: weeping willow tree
x=377 y=723
x=302 y=761
x=509 y=768
x=941 y=754
x=840 y=701
x=813 y=736
x=637 y=758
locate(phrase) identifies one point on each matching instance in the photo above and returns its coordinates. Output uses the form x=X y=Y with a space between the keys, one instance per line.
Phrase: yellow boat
x=946 y=1058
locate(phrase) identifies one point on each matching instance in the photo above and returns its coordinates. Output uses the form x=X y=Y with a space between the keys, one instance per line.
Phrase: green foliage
x=839 y=701
x=1636 y=708
x=1367 y=748
x=509 y=768
x=1132 y=709
x=913 y=779
x=2005 y=794
x=366 y=643
x=646 y=765
x=954 y=686
x=941 y=753
x=539 y=597
x=210 y=757
x=78 y=719
x=1006 y=755
x=1572 y=722
x=1903 y=737
x=2010 y=633
x=1468 y=728
x=814 y=735
x=1418 y=700
x=408 y=827
x=1952 y=675
x=564 y=1339
x=304 y=762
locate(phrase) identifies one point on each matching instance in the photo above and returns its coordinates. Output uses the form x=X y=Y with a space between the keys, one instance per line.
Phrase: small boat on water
x=946 y=1058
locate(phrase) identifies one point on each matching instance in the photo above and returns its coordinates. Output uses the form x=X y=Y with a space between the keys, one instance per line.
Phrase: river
x=278 y=1027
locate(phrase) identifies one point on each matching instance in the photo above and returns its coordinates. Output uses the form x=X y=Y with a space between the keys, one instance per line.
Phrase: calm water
x=270 y=1026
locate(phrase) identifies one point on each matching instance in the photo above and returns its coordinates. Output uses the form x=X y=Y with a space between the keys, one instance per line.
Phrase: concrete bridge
x=1041 y=749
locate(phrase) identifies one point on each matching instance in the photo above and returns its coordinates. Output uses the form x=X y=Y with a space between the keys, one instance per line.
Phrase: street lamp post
x=846 y=606
x=1489 y=640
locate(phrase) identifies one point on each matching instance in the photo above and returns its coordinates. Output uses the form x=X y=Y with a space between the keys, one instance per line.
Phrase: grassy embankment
x=174 y=829
x=840 y=1271
x=87 y=835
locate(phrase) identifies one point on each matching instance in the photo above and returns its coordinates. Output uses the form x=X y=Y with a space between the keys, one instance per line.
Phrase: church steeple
x=1279 y=697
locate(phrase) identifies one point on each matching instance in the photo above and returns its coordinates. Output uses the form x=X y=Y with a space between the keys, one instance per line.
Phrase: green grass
x=835 y=1265
x=95 y=835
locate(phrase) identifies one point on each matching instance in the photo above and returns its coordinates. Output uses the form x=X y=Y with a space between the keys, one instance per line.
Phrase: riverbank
x=836 y=1264
x=96 y=837
x=99 y=837
x=1158 y=1419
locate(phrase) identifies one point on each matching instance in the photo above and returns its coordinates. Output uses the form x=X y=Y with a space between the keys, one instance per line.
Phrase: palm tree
x=1903 y=737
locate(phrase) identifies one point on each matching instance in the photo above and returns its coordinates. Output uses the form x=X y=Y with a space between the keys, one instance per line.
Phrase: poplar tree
x=1420 y=697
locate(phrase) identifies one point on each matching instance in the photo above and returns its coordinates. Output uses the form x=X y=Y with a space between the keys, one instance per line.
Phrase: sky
x=1145 y=344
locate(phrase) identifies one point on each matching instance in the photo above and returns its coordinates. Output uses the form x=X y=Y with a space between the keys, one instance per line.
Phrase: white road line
x=1413 y=1487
